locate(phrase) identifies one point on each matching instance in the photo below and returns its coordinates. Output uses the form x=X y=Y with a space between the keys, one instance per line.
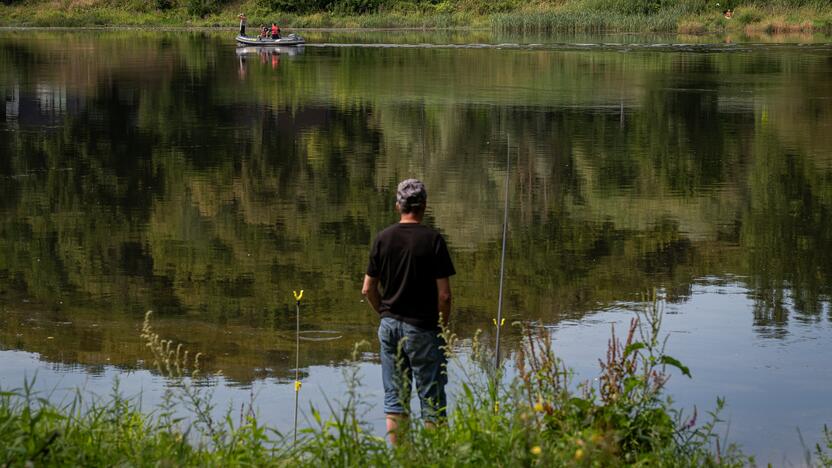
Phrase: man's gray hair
x=411 y=195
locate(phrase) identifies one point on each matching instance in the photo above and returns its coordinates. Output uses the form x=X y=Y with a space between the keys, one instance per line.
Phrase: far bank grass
x=92 y=14
x=751 y=19
x=569 y=16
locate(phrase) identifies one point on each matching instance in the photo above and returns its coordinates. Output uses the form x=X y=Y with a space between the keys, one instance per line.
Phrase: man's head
x=411 y=196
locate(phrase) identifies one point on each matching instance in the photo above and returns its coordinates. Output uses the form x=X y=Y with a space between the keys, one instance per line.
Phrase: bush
x=294 y=6
x=632 y=7
x=355 y=7
x=163 y=5
x=203 y=8
x=748 y=17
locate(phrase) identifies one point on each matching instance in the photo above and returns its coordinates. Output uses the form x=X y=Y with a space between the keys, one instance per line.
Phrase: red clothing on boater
x=275 y=31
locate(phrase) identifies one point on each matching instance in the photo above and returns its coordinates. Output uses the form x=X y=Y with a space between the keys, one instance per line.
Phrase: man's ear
x=398 y=208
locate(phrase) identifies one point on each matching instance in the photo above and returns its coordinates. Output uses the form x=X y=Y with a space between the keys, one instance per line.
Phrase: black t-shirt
x=408 y=258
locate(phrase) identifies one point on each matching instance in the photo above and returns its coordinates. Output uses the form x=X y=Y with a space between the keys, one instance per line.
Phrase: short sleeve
x=374 y=265
x=443 y=266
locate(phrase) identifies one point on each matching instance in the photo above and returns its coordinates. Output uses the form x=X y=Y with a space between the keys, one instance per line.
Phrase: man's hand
x=370 y=291
x=444 y=287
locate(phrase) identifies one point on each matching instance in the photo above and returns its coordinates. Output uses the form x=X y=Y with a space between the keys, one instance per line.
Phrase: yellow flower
x=536 y=450
x=538 y=406
x=298 y=295
x=579 y=454
x=297 y=385
x=496 y=406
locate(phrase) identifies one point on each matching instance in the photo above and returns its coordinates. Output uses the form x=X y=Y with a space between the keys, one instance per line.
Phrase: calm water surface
x=169 y=171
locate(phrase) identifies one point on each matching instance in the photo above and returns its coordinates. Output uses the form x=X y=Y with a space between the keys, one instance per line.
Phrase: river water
x=171 y=171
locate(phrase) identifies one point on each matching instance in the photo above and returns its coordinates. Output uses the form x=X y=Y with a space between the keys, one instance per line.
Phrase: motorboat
x=291 y=39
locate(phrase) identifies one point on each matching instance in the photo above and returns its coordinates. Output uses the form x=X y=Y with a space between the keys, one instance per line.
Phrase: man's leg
x=395 y=375
x=393 y=427
x=428 y=362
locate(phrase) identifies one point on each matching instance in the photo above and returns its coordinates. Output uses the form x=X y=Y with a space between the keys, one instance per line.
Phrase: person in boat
x=411 y=264
x=275 y=31
x=242 y=23
x=264 y=31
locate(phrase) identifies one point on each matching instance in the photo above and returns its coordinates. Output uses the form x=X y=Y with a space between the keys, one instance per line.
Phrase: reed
x=594 y=16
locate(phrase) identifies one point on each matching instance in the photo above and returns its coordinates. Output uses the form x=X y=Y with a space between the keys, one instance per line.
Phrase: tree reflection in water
x=162 y=171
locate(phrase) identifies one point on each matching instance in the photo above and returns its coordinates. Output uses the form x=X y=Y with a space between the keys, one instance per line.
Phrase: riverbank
x=668 y=16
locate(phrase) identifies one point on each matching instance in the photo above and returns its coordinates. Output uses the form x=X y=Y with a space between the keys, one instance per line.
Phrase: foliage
x=293 y=6
x=353 y=7
x=824 y=452
x=163 y=5
x=536 y=417
x=202 y=8
x=539 y=415
x=341 y=7
x=504 y=15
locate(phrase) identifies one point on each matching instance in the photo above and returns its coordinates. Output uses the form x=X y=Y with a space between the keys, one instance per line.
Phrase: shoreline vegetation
x=537 y=417
x=689 y=17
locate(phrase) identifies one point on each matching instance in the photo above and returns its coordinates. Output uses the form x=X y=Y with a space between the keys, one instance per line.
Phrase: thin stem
x=297 y=368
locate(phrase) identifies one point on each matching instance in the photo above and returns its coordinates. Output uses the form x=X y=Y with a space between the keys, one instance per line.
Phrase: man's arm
x=370 y=291
x=444 y=287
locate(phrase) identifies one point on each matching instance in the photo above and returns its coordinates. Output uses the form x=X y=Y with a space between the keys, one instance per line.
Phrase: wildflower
x=298 y=384
x=298 y=295
x=538 y=406
x=579 y=454
x=536 y=450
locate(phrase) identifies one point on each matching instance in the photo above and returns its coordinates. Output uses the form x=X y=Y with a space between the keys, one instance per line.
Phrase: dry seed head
x=475 y=344
x=196 y=365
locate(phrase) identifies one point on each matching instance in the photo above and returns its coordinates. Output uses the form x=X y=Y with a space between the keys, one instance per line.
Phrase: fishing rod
x=500 y=320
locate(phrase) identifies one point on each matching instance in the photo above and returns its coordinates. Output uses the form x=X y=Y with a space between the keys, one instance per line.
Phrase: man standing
x=411 y=264
x=243 y=20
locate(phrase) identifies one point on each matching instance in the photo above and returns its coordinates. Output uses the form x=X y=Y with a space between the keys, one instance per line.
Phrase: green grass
x=582 y=21
x=824 y=450
x=537 y=418
x=505 y=15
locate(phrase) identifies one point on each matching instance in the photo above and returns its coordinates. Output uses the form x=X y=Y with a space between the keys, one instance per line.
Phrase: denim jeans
x=409 y=352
